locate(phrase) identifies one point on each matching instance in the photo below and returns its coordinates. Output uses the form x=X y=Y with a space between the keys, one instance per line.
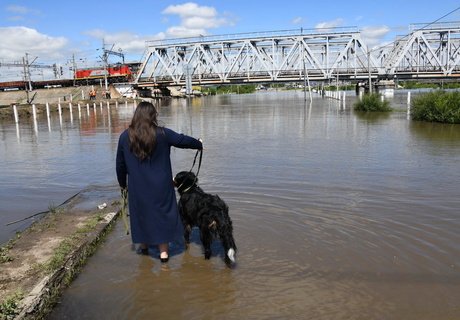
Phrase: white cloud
x=297 y=20
x=195 y=20
x=330 y=24
x=16 y=41
x=20 y=12
x=202 y=22
x=180 y=32
x=17 y=9
x=128 y=42
x=191 y=9
x=373 y=35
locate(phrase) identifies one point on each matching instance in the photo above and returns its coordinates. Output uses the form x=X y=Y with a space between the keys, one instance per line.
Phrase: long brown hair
x=142 y=131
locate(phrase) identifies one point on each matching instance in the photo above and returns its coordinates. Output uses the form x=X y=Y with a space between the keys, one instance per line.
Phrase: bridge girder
x=271 y=56
x=432 y=49
x=292 y=55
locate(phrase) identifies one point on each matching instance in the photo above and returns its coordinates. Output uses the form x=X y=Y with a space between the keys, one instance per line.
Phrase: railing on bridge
x=292 y=55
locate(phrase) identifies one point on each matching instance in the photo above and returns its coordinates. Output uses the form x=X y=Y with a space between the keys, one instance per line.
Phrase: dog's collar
x=188 y=188
x=184 y=191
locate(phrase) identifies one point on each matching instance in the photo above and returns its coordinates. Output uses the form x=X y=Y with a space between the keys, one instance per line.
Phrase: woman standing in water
x=143 y=166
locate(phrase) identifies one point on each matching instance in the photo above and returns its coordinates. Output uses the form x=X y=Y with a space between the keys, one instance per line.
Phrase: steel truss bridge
x=430 y=51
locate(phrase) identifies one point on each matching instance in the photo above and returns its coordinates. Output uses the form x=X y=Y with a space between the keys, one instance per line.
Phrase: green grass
x=9 y=306
x=437 y=106
x=5 y=249
x=372 y=103
x=61 y=253
x=239 y=89
x=421 y=85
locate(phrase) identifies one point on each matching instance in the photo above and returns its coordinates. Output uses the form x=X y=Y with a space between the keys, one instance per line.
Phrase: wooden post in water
x=408 y=105
x=79 y=111
x=34 y=112
x=71 y=112
x=15 y=111
x=48 y=118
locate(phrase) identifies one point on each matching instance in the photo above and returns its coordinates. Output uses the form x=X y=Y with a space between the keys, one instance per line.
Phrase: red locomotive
x=119 y=71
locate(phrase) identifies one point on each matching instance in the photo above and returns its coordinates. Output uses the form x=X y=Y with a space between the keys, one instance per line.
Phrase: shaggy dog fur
x=207 y=212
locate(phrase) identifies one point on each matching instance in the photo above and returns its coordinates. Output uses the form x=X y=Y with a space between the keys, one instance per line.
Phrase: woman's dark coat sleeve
x=120 y=161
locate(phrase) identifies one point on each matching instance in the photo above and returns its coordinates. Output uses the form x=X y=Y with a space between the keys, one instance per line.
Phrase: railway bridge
x=426 y=52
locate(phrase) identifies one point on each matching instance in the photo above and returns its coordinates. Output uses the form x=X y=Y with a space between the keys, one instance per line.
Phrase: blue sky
x=55 y=31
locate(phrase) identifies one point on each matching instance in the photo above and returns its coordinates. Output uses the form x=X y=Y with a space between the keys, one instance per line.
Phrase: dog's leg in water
x=228 y=243
x=187 y=231
x=206 y=239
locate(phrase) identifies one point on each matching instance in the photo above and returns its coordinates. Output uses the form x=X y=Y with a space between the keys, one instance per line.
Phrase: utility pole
x=26 y=65
x=105 y=60
x=74 y=68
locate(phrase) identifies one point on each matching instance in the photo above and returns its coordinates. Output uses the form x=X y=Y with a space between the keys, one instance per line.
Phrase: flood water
x=336 y=215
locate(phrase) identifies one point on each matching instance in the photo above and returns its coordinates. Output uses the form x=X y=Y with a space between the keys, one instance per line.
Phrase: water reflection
x=336 y=215
x=373 y=117
x=436 y=132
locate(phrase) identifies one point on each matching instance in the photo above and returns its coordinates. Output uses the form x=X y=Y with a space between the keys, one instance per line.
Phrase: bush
x=437 y=106
x=372 y=103
x=225 y=89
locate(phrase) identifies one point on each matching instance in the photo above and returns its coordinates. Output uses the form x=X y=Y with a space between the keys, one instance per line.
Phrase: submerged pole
x=71 y=112
x=48 y=118
x=15 y=111
x=34 y=112
x=47 y=109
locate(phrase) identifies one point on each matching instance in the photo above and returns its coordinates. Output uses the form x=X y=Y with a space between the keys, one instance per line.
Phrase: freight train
x=115 y=73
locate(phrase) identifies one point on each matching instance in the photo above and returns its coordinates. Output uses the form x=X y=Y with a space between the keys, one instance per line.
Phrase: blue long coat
x=154 y=216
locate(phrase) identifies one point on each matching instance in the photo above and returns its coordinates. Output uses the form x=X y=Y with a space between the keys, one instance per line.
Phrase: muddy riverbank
x=42 y=260
x=53 y=97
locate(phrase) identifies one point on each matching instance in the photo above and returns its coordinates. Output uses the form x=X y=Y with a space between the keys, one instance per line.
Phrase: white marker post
x=15 y=111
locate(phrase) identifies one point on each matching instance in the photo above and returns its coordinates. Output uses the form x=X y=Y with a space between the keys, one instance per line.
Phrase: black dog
x=207 y=212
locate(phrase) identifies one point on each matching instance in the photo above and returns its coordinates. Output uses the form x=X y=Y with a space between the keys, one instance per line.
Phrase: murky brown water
x=336 y=215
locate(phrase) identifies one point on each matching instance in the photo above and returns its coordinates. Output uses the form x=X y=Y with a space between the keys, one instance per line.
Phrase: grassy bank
x=437 y=106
